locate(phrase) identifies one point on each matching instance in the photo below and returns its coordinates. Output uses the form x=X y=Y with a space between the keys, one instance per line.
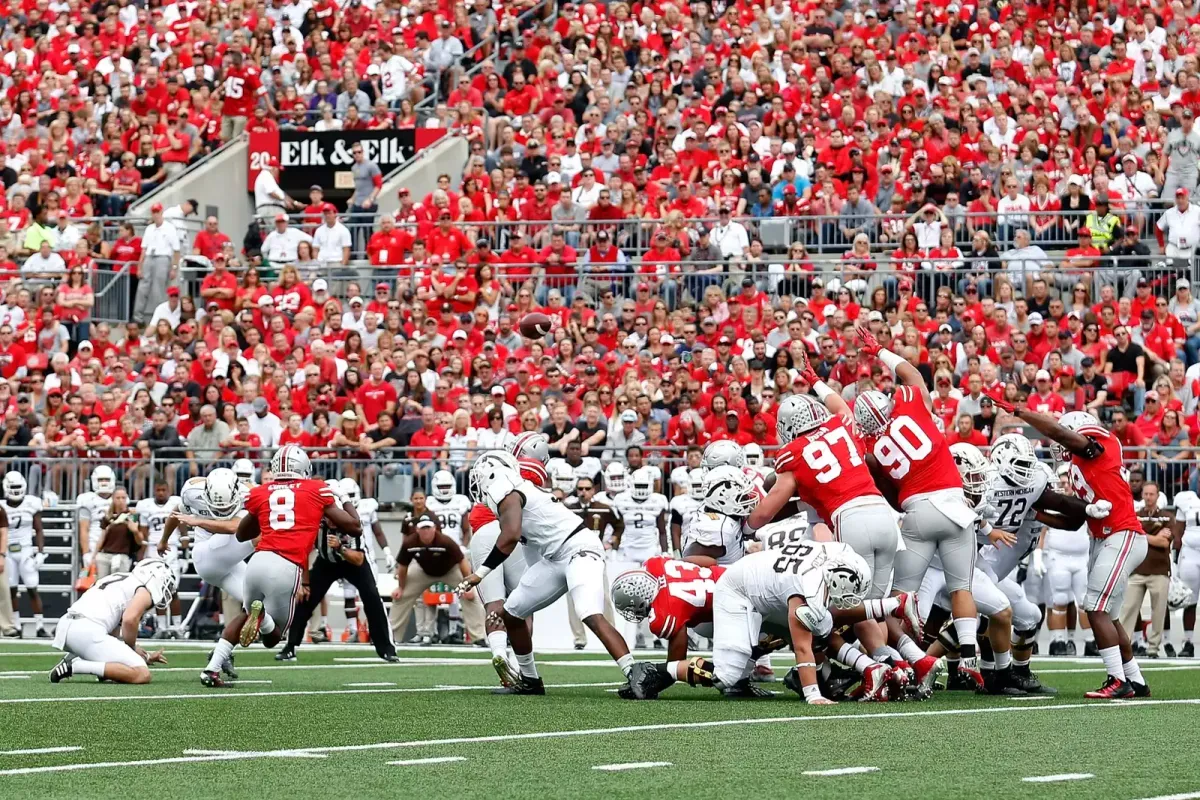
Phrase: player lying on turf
x=99 y=632
x=571 y=559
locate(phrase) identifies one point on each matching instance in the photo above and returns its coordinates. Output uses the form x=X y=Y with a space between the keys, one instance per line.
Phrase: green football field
x=339 y=722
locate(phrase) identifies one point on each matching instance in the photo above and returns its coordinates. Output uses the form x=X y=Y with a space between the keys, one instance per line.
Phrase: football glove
x=1099 y=509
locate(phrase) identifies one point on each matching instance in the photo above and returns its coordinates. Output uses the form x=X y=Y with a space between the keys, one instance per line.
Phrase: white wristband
x=822 y=390
x=483 y=571
x=891 y=359
x=812 y=692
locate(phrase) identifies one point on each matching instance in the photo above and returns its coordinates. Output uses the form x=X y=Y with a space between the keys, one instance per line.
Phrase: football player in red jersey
x=911 y=451
x=286 y=515
x=1097 y=475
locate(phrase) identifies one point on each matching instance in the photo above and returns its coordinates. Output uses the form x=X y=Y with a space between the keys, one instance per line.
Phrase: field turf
x=338 y=722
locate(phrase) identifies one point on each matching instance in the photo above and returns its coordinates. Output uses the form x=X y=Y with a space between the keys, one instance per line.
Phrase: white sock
x=625 y=662
x=221 y=654
x=267 y=626
x=498 y=643
x=1138 y=638
x=1059 y=635
x=854 y=658
x=352 y=626
x=1187 y=636
x=1019 y=663
x=160 y=621
x=909 y=650
x=1004 y=660
x=1088 y=636
x=764 y=661
x=37 y=621
x=1133 y=672
x=526 y=665
x=966 y=628
x=324 y=622
x=88 y=667
x=880 y=609
x=1112 y=662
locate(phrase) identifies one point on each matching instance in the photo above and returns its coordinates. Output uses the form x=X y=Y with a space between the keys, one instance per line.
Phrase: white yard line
x=14 y=677
x=418 y=761
x=367 y=685
x=1100 y=667
x=632 y=765
x=1066 y=776
x=1184 y=796
x=1033 y=697
x=270 y=753
x=37 y=751
x=240 y=682
x=841 y=771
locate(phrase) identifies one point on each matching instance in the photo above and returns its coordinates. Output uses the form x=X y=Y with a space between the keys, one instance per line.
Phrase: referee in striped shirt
x=341 y=557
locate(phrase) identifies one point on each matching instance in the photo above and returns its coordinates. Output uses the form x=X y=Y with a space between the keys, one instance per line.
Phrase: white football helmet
x=1015 y=460
x=847 y=576
x=156 y=574
x=222 y=493
x=723 y=452
x=488 y=468
x=872 y=412
x=244 y=469
x=695 y=483
x=754 y=455
x=531 y=444
x=49 y=499
x=632 y=594
x=351 y=490
x=642 y=484
x=443 y=485
x=14 y=487
x=563 y=478
x=729 y=491
x=104 y=480
x=1073 y=421
x=974 y=468
x=290 y=462
x=615 y=476
x=1178 y=594
x=799 y=414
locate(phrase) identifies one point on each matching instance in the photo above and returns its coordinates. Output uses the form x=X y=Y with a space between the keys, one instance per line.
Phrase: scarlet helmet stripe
x=533 y=471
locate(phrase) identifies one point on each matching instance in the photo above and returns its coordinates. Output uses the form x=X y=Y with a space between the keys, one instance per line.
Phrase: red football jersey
x=829 y=466
x=289 y=516
x=531 y=470
x=1104 y=478
x=912 y=450
x=685 y=594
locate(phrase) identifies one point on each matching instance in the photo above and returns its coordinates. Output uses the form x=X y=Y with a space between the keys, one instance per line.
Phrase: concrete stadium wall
x=449 y=155
x=219 y=186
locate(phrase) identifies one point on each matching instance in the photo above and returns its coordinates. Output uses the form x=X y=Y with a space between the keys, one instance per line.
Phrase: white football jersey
x=679 y=478
x=640 y=538
x=768 y=579
x=93 y=507
x=1016 y=504
x=717 y=530
x=368 y=515
x=20 y=519
x=192 y=503
x=449 y=514
x=684 y=509
x=588 y=468
x=1187 y=511
x=545 y=522
x=154 y=517
x=1068 y=543
x=105 y=602
x=778 y=535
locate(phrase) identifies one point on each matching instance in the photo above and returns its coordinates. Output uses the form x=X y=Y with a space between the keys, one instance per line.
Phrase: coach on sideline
x=341 y=557
x=428 y=556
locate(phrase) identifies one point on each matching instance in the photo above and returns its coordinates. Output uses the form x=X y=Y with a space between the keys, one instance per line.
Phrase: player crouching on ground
x=99 y=632
x=570 y=559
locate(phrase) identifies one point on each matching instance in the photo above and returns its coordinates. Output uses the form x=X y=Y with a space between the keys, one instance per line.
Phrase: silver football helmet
x=754 y=455
x=351 y=490
x=1015 y=460
x=632 y=594
x=443 y=485
x=799 y=414
x=723 y=452
x=642 y=484
x=562 y=478
x=158 y=578
x=290 y=462
x=531 y=444
x=974 y=468
x=615 y=478
x=14 y=487
x=1073 y=421
x=847 y=576
x=244 y=469
x=872 y=412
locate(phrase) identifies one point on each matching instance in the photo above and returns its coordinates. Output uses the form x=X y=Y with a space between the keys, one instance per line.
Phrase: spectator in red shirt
x=1045 y=400
x=428 y=442
x=219 y=286
x=375 y=395
x=964 y=431
x=210 y=241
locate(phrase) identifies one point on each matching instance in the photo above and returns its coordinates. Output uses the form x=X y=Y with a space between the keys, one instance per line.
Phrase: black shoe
x=479 y=642
x=1169 y=650
x=792 y=681
x=286 y=654
x=1140 y=689
x=529 y=686
x=41 y=634
x=15 y=633
x=1187 y=651
x=212 y=680
x=1058 y=648
x=1139 y=649
x=840 y=681
x=580 y=645
x=999 y=682
x=1090 y=649
x=1028 y=682
x=658 y=644
x=744 y=690
x=390 y=658
x=957 y=682
x=62 y=670
x=1152 y=655
x=1037 y=648
x=319 y=636
x=644 y=681
x=1072 y=650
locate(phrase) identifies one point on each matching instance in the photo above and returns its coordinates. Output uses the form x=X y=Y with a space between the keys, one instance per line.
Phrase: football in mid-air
x=535 y=325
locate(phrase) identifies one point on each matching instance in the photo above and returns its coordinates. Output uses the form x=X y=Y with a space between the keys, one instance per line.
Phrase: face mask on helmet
x=872 y=412
x=643 y=487
x=14 y=487
x=846 y=585
x=564 y=480
x=351 y=490
x=754 y=455
x=614 y=478
x=973 y=468
x=443 y=485
x=244 y=469
x=488 y=468
x=104 y=480
x=727 y=490
x=799 y=415
x=696 y=484
x=633 y=593
x=1015 y=460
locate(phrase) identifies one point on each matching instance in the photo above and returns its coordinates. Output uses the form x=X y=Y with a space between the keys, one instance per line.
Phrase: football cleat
x=1028 y=682
x=1168 y=650
x=644 y=681
x=909 y=615
x=763 y=674
x=391 y=658
x=874 y=685
x=1140 y=689
x=228 y=669
x=212 y=680
x=62 y=670
x=1187 y=651
x=791 y=680
x=286 y=654
x=526 y=685
x=969 y=669
x=927 y=671
x=253 y=623
x=744 y=690
x=898 y=681
x=999 y=682
x=505 y=671
x=1113 y=689
x=319 y=636
x=41 y=634
x=1058 y=648
x=834 y=687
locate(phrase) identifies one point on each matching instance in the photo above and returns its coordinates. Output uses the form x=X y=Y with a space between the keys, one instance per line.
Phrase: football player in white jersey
x=679 y=475
x=26 y=548
x=450 y=508
x=615 y=481
x=1061 y=560
x=643 y=514
x=684 y=508
x=1187 y=545
x=92 y=506
x=756 y=461
x=152 y=514
x=98 y=633
x=635 y=458
x=715 y=536
x=568 y=558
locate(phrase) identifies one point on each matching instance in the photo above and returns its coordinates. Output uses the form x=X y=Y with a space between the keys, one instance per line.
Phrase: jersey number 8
x=282 y=504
